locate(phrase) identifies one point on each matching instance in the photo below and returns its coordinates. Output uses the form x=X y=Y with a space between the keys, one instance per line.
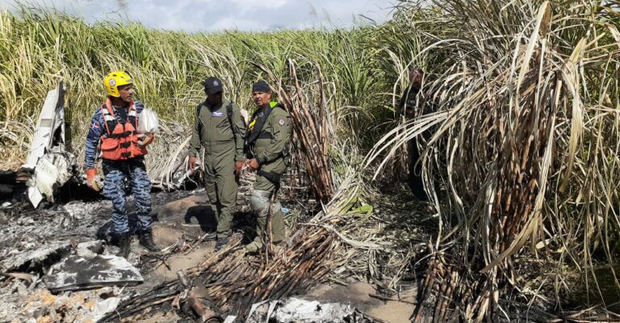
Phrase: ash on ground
x=57 y=266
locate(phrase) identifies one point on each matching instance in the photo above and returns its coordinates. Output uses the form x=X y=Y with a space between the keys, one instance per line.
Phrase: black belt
x=271 y=176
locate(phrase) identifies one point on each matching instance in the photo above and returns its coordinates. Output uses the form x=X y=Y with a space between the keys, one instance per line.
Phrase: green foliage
x=38 y=48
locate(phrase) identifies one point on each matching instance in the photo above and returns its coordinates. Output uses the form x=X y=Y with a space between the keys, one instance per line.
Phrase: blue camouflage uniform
x=116 y=171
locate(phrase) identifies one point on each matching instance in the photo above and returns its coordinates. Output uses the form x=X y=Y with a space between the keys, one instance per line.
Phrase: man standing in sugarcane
x=269 y=134
x=114 y=126
x=221 y=130
x=409 y=108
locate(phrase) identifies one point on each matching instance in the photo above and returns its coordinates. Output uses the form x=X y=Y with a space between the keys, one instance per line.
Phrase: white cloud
x=259 y=4
x=217 y=15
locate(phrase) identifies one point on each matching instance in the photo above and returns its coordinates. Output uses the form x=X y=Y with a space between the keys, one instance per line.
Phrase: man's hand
x=145 y=139
x=252 y=164
x=91 y=173
x=191 y=163
x=239 y=167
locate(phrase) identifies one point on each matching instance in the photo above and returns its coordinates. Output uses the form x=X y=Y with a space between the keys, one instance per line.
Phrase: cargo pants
x=134 y=171
x=221 y=187
x=261 y=198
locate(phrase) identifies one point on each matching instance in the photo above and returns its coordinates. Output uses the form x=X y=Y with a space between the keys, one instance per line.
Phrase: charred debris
x=56 y=264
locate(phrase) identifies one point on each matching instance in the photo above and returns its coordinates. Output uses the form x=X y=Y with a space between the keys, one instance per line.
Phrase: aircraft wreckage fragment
x=48 y=165
x=76 y=273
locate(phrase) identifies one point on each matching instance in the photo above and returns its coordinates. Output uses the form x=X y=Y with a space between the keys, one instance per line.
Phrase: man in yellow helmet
x=113 y=130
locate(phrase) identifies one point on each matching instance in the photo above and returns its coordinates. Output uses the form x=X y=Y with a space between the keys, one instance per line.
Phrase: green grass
x=38 y=48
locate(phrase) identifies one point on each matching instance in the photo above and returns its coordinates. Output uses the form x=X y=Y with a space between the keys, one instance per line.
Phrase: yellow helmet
x=115 y=79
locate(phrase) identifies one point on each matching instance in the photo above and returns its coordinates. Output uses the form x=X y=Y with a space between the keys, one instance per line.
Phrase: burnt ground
x=25 y=231
x=63 y=226
x=405 y=224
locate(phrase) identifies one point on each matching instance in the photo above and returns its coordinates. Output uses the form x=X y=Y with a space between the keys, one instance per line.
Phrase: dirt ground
x=181 y=217
x=358 y=294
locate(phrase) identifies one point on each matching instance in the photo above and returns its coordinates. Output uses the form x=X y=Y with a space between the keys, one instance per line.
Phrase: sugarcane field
x=305 y=161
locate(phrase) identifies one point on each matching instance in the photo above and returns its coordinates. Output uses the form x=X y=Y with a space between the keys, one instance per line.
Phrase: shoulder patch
x=139 y=106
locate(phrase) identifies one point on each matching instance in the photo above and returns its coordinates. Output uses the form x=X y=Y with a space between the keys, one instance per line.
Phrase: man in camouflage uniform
x=269 y=134
x=114 y=125
x=220 y=129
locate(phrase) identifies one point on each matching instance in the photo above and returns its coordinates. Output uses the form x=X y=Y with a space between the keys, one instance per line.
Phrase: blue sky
x=219 y=15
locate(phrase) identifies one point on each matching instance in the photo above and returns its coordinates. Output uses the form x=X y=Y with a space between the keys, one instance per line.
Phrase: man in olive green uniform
x=221 y=130
x=269 y=134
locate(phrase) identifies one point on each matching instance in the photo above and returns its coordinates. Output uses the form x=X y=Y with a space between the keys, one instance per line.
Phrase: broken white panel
x=33 y=259
x=90 y=249
x=52 y=170
x=51 y=119
x=34 y=196
x=77 y=273
x=45 y=175
x=299 y=310
x=49 y=136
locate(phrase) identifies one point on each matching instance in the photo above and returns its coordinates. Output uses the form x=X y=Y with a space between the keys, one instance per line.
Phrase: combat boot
x=254 y=246
x=222 y=240
x=210 y=236
x=146 y=240
x=124 y=241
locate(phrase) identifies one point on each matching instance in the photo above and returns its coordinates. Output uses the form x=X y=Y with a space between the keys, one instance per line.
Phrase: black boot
x=222 y=240
x=124 y=241
x=146 y=240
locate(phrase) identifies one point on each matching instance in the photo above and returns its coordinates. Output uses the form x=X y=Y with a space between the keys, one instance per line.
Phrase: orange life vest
x=120 y=140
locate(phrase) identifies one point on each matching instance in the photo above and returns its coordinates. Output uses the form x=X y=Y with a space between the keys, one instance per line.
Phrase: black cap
x=261 y=86
x=212 y=85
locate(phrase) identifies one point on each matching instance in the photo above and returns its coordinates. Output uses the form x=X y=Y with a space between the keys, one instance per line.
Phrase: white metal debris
x=90 y=249
x=105 y=307
x=51 y=120
x=29 y=260
x=300 y=310
x=76 y=273
x=53 y=170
